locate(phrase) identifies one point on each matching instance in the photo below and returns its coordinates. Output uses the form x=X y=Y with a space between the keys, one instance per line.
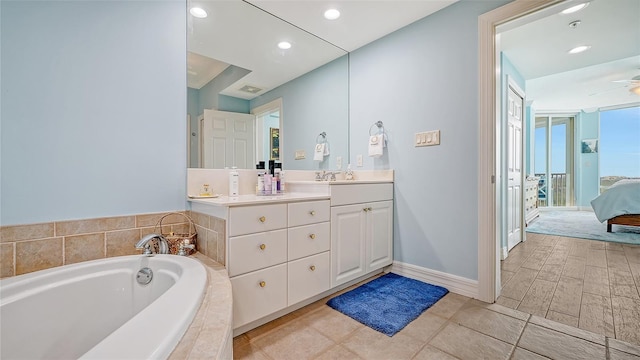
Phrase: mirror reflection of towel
x=376 y=145
x=318 y=153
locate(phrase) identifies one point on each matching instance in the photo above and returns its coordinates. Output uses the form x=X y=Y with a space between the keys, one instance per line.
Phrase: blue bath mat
x=388 y=303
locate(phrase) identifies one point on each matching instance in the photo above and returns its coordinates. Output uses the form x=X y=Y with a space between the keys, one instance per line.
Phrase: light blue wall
x=312 y=103
x=425 y=77
x=588 y=175
x=94 y=103
x=209 y=97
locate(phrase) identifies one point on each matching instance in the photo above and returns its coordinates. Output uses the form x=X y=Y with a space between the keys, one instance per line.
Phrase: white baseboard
x=453 y=283
x=504 y=253
x=585 y=208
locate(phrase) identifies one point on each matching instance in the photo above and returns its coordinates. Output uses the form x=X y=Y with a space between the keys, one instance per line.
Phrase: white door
x=379 y=233
x=348 y=231
x=227 y=140
x=515 y=112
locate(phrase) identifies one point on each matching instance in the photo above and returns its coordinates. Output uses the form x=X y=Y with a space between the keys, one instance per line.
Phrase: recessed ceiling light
x=331 y=14
x=284 y=45
x=198 y=12
x=574 y=8
x=579 y=49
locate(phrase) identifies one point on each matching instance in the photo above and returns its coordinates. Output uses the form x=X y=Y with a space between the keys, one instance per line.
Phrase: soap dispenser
x=348 y=175
x=234 y=182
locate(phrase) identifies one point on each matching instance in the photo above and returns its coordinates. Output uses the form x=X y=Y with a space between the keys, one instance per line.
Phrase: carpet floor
x=582 y=224
x=388 y=303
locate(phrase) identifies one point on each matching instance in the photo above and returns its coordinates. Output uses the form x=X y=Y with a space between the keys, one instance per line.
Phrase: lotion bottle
x=234 y=182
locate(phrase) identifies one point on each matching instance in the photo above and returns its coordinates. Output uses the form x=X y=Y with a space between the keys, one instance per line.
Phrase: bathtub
x=98 y=310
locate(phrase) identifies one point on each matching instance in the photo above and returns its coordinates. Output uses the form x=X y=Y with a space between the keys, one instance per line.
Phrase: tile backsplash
x=33 y=247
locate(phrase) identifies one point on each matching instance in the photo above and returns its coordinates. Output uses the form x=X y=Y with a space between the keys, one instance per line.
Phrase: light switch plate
x=359 y=160
x=300 y=154
x=339 y=162
x=427 y=138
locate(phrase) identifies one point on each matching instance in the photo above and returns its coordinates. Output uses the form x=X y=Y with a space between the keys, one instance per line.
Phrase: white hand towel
x=376 y=145
x=318 y=154
x=326 y=149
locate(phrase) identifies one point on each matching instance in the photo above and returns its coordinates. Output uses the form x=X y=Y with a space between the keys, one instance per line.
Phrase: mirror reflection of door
x=226 y=140
x=269 y=131
x=515 y=115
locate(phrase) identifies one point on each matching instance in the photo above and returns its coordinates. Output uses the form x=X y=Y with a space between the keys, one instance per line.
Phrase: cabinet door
x=379 y=234
x=308 y=276
x=259 y=294
x=347 y=243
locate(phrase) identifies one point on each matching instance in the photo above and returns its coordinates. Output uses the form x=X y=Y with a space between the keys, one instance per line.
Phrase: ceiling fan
x=633 y=84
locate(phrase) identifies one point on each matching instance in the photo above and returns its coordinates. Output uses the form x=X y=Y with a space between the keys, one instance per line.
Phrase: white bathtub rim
x=154 y=343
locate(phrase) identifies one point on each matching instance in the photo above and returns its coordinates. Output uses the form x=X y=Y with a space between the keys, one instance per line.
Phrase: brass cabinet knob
x=312 y=236
x=263 y=219
x=369 y=209
x=263 y=284
x=263 y=246
x=312 y=212
x=312 y=268
x=365 y=209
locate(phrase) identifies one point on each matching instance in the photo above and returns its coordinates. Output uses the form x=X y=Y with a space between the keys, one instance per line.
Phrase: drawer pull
x=312 y=212
x=263 y=246
x=263 y=284
x=262 y=219
x=312 y=268
x=367 y=209
x=312 y=236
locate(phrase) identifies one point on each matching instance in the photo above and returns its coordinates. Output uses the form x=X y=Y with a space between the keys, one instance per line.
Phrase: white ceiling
x=555 y=80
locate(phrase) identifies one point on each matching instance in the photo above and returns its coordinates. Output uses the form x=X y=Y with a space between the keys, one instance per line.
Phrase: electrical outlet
x=300 y=154
x=359 y=160
x=339 y=162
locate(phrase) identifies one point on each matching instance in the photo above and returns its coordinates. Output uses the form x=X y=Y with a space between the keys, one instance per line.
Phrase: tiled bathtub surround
x=211 y=235
x=33 y=247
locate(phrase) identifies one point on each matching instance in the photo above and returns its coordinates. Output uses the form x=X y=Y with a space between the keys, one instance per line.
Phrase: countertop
x=254 y=199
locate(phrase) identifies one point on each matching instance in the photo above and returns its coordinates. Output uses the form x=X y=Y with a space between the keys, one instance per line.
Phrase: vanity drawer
x=345 y=194
x=253 y=219
x=308 y=277
x=256 y=251
x=308 y=240
x=308 y=212
x=258 y=294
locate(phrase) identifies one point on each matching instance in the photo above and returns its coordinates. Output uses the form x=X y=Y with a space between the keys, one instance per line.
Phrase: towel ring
x=380 y=127
x=322 y=135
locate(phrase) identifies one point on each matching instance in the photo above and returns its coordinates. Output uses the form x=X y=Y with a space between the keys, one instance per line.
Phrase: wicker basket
x=175 y=239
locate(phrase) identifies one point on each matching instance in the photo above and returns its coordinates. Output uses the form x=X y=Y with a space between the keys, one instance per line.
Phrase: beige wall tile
x=83 y=247
x=38 y=255
x=212 y=244
x=88 y=226
x=201 y=219
x=7 y=265
x=221 y=249
x=122 y=242
x=26 y=232
x=558 y=345
x=150 y=220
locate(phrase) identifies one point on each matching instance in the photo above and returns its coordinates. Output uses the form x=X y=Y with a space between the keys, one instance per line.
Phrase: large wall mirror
x=250 y=100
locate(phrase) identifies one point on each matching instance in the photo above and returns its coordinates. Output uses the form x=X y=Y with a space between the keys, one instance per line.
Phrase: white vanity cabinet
x=361 y=230
x=278 y=256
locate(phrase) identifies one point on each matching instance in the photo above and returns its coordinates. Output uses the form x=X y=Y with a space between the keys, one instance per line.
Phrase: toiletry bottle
x=260 y=183
x=267 y=184
x=275 y=187
x=282 y=182
x=349 y=173
x=234 y=182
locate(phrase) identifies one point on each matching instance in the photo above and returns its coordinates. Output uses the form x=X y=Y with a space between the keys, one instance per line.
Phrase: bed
x=619 y=205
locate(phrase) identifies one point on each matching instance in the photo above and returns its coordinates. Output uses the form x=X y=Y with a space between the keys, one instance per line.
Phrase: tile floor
x=456 y=327
x=588 y=284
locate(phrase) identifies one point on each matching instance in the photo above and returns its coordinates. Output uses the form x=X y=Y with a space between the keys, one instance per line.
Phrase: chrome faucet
x=325 y=175
x=144 y=243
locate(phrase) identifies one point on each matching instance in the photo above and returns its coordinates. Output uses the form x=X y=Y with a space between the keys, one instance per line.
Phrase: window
x=619 y=145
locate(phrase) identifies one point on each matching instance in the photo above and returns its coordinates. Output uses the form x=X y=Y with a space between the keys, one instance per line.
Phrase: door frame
x=488 y=130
